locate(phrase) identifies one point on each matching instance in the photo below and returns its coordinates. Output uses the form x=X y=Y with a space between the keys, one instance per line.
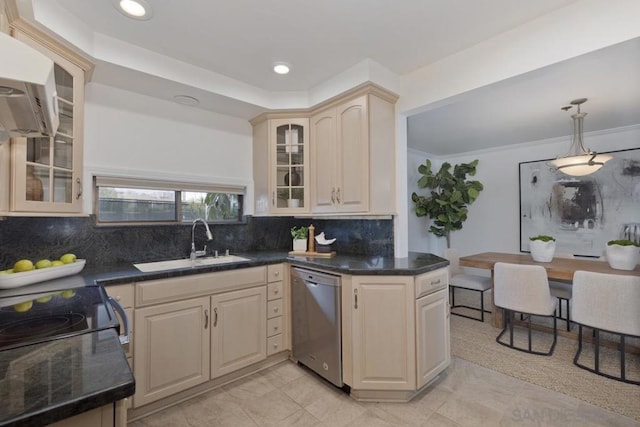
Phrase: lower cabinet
x=397 y=334
x=238 y=330
x=433 y=351
x=172 y=348
x=383 y=333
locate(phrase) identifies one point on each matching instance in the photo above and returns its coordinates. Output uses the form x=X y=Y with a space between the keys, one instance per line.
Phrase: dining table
x=560 y=269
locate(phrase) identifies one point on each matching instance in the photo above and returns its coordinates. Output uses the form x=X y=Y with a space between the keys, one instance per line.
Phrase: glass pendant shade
x=579 y=161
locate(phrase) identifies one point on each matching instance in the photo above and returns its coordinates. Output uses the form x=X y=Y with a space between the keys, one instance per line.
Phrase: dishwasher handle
x=124 y=339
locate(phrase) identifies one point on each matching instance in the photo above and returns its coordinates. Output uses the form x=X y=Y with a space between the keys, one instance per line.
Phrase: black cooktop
x=35 y=318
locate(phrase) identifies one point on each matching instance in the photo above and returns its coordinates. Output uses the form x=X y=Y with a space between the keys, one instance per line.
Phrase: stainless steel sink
x=173 y=264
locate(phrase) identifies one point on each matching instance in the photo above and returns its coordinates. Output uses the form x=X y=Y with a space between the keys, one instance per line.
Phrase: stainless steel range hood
x=28 y=104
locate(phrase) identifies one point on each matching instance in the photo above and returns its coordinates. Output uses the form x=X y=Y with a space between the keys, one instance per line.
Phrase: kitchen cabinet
x=383 y=333
x=277 y=311
x=353 y=156
x=433 y=349
x=238 y=330
x=281 y=166
x=395 y=334
x=349 y=156
x=113 y=415
x=172 y=350
x=46 y=172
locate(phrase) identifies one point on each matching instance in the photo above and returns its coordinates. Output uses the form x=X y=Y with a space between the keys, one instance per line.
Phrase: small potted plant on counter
x=300 y=236
x=542 y=248
x=622 y=254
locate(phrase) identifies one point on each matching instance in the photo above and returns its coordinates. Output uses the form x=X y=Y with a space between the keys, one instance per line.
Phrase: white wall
x=128 y=134
x=493 y=222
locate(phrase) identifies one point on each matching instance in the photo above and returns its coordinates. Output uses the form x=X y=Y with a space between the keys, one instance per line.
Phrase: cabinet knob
x=276 y=309
x=276 y=291
x=277 y=273
x=275 y=328
x=275 y=346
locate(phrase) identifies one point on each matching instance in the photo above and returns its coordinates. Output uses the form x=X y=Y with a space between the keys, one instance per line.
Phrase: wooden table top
x=557 y=269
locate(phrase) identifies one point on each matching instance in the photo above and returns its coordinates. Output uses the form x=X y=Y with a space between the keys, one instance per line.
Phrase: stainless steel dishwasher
x=316 y=326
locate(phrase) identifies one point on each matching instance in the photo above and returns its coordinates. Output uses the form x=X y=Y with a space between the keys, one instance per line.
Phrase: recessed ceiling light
x=281 y=68
x=134 y=9
x=186 y=100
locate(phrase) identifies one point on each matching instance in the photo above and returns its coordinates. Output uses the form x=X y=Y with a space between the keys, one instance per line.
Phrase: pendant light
x=579 y=161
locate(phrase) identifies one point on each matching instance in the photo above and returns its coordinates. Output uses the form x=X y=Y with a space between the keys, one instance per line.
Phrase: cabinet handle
x=435 y=282
x=79 y=194
x=273 y=198
x=206 y=318
x=355 y=306
x=215 y=317
x=333 y=195
x=338 y=195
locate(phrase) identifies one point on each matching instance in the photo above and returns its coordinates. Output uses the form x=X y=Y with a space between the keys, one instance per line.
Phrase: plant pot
x=542 y=251
x=623 y=257
x=300 y=245
x=293 y=203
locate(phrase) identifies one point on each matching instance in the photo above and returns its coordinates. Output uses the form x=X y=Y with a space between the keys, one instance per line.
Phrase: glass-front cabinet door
x=290 y=166
x=47 y=171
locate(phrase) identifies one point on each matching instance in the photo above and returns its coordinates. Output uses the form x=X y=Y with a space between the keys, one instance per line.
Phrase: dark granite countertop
x=99 y=373
x=416 y=263
x=47 y=382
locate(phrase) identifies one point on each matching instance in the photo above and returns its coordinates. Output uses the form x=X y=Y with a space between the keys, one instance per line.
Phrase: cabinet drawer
x=274 y=308
x=274 y=326
x=432 y=281
x=274 y=290
x=274 y=344
x=124 y=294
x=275 y=272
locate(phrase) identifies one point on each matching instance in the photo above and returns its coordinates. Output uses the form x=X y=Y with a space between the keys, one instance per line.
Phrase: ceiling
x=239 y=40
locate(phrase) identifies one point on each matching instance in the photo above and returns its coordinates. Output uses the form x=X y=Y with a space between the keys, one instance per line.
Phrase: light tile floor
x=465 y=395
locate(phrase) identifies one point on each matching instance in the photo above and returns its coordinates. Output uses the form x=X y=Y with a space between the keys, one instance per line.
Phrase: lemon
x=23 y=265
x=9 y=271
x=23 y=306
x=44 y=299
x=43 y=263
x=56 y=263
x=68 y=258
x=68 y=293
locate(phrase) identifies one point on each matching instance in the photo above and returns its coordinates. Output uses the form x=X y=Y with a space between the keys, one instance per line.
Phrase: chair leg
x=596 y=350
x=482 y=307
x=622 y=367
x=568 y=317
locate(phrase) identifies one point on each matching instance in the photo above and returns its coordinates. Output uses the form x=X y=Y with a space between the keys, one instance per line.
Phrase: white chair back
x=522 y=288
x=607 y=301
x=454 y=262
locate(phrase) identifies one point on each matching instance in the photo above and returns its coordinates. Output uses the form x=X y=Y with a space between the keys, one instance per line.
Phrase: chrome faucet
x=195 y=254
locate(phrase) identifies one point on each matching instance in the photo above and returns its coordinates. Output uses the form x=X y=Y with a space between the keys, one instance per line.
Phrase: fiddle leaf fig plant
x=449 y=197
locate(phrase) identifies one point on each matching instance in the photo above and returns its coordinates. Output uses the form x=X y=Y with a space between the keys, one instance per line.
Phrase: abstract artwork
x=583 y=213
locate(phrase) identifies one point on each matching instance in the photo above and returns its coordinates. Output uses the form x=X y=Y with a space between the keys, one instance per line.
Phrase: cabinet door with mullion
x=47 y=171
x=289 y=165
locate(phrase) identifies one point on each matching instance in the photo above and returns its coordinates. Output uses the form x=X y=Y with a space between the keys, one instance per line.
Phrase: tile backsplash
x=37 y=238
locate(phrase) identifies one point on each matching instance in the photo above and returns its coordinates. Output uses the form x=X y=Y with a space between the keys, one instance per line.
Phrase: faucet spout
x=194 y=253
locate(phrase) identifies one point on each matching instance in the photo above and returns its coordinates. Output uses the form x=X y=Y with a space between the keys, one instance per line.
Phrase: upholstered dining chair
x=523 y=289
x=458 y=279
x=606 y=303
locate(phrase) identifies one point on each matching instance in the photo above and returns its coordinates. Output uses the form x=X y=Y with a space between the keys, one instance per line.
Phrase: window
x=125 y=200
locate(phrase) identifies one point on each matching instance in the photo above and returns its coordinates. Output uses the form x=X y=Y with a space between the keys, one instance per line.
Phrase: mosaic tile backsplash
x=37 y=238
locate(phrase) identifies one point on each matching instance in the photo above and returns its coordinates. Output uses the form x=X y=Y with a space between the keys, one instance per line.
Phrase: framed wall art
x=582 y=213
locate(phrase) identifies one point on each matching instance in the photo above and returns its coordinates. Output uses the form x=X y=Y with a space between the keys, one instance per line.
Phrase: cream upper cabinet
x=281 y=166
x=238 y=330
x=46 y=172
x=383 y=333
x=172 y=348
x=348 y=164
x=353 y=157
x=340 y=158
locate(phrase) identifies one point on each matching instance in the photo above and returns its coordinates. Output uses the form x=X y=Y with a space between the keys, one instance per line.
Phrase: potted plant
x=293 y=199
x=451 y=194
x=622 y=254
x=542 y=248
x=300 y=236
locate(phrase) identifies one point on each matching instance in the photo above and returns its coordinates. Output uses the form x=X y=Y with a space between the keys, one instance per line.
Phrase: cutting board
x=314 y=254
